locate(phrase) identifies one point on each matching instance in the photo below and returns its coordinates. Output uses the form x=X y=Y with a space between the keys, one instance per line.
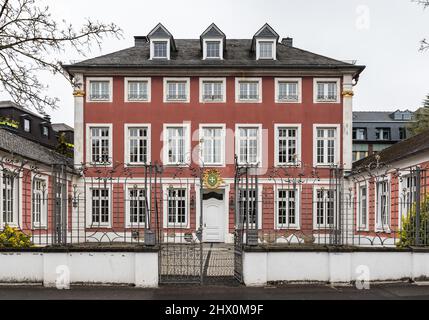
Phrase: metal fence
x=300 y=205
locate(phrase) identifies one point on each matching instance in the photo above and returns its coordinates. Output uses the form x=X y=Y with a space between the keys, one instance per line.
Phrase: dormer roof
x=161 y=32
x=213 y=32
x=266 y=32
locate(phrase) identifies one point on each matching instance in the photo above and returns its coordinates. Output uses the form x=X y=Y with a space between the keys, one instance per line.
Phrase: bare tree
x=425 y=42
x=30 y=40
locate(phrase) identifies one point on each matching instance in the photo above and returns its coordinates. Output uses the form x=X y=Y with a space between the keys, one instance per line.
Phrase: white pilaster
x=79 y=95
x=347 y=121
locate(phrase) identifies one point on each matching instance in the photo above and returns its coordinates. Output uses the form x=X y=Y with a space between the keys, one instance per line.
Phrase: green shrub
x=407 y=236
x=14 y=238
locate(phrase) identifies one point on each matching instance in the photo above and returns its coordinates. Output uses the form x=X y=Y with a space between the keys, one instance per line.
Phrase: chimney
x=140 y=41
x=47 y=118
x=287 y=42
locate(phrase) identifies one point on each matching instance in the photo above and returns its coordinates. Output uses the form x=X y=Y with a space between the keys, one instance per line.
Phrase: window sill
x=137 y=101
x=294 y=228
x=288 y=102
x=40 y=227
x=248 y=101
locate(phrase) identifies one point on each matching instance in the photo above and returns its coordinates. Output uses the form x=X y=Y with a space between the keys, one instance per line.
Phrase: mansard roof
x=237 y=55
x=401 y=150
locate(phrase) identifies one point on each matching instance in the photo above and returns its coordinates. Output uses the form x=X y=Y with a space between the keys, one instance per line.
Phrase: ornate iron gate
x=246 y=187
x=59 y=204
x=181 y=255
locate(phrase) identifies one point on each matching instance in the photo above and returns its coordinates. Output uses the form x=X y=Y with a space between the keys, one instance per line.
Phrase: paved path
x=291 y=292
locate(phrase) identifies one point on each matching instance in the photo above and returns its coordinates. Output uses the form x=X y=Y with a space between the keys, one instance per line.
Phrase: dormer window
x=160 y=49
x=213 y=49
x=213 y=42
x=161 y=43
x=45 y=131
x=266 y=50
x=264 y=43
x=27 y=125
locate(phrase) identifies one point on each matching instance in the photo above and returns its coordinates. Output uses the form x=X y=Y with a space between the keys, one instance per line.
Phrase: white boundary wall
x=259 y=268
x=132 y=268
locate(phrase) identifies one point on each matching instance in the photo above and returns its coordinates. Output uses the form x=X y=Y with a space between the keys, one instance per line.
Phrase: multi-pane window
x=383 y=214
x=249 y=90
x=213 y=49
x=382 y=134
x=327 y=91
x=212 y=145
x=266 y=50
x=27 y=125
x=176 y=145
x=287 y=212
x=325 y=208
x=288 y=91
x=100 y=144
x=138 y=142
x=176 y=207
x=325 y=146
x=177 y=91
x=212 y=90
x=248 y=203
x=40 y=205
x=287 y=139
x=8 y=186
x=100 y=206
x=359 y=134
x=99 y=90
x=137 y=204
x=363 y=208
x=248 y=145
x=160 y=49
x=137 y=90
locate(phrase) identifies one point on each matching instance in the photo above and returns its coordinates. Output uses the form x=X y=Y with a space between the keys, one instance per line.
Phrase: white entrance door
x=213 y=220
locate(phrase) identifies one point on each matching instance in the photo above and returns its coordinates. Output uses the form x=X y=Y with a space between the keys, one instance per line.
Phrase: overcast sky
x=384 y=35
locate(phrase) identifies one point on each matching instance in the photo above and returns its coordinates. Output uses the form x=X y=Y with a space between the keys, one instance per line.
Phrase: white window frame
x=277 y=90
x=377 y=226
x=259 y=141
x=165 y=223
x=297 y=224
x=221 y=126
x=43 y=224
x=128 y=126
x=317 y=80
x=152 y=48
x=205 y=40
x=237 y=90
x=131 y=186
x=89 y=223
x=296 y=126
x=17 y=194
x=259 y=203
x=360 y=226
x=187 y=127
x=88 y=89
x=325 y=225
x=89 y=142
x=202 y=80
x=126 y=87
x=188 y=92
x=337 y=151
x=258 y=49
